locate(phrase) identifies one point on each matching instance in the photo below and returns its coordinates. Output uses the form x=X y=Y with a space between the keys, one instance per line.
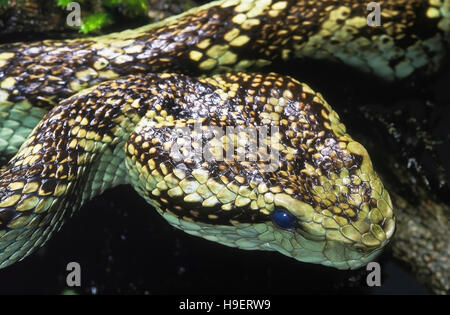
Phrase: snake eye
x=283 y=219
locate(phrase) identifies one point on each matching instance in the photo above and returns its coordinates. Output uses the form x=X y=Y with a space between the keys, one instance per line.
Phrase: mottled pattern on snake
x=344 y=214
x=219 y=38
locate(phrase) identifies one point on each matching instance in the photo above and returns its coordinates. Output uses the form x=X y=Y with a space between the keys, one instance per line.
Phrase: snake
x=176 y=109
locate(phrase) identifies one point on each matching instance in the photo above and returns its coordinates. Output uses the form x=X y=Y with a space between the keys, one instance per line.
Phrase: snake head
x=314 y=196
x=340 y=219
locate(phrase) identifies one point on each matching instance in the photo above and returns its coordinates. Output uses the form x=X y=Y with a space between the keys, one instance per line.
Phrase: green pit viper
x=80 y=116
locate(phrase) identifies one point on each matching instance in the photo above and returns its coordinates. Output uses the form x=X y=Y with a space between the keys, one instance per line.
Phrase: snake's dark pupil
x=283 y=219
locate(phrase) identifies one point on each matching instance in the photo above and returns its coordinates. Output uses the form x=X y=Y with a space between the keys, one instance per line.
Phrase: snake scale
x=81 y=116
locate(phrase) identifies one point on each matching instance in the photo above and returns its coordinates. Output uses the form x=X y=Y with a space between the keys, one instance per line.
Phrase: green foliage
x=64 y=3
x=104 y=12
x=4 y=3
x=95 y=22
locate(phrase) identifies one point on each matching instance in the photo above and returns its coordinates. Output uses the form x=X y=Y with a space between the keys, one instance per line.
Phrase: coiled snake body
x=322 y=203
